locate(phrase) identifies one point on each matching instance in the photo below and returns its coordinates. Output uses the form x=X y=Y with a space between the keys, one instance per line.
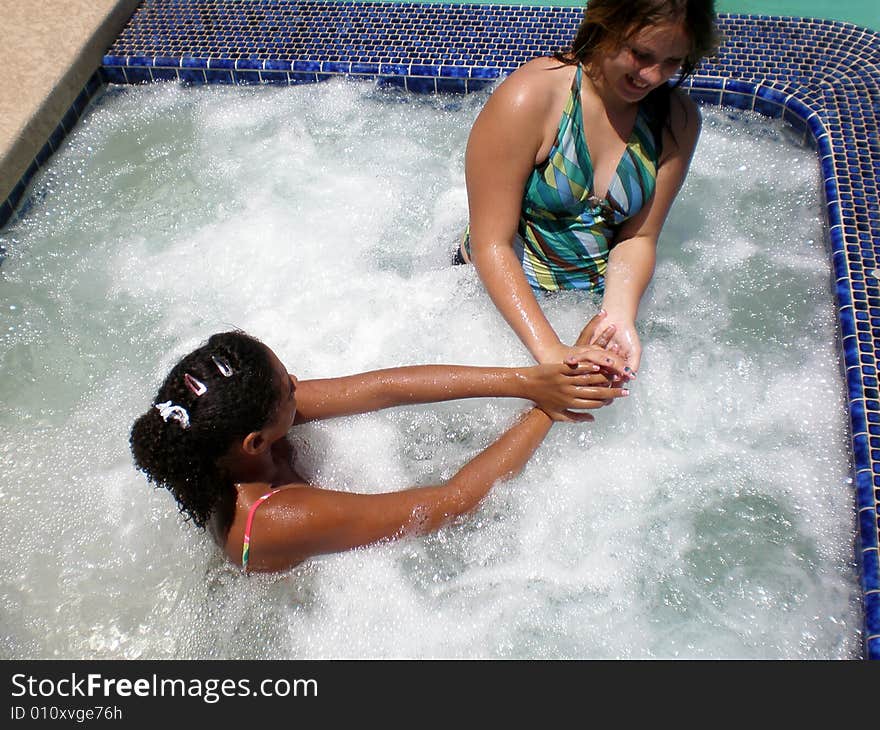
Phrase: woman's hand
x=562 y=390
x=624 y=341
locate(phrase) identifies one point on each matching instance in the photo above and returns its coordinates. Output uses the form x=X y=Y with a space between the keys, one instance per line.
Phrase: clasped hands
x=591 y=375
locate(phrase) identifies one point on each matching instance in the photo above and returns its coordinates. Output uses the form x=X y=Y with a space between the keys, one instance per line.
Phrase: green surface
x=860 y=12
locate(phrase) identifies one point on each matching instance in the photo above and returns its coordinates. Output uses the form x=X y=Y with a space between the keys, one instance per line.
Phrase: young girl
x=574 y=163
x=215 y=437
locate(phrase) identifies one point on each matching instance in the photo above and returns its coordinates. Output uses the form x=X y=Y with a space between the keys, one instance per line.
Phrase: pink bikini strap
x=246 y=545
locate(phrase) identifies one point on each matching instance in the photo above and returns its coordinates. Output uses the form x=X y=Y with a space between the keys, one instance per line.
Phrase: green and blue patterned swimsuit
x=565 y=232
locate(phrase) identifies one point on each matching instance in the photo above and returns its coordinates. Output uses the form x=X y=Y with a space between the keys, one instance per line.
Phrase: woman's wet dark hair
x=179 y=440
x=607 y=24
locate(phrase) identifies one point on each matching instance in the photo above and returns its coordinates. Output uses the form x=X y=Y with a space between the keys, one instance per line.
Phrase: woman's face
x=645 y=60
x=286 y=411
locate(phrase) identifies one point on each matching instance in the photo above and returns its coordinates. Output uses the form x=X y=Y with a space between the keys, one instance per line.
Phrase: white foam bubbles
x=706 y=515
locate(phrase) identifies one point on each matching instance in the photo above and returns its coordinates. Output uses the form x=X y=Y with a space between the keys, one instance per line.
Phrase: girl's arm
x=632 y=259
x=578 y=383
x=300 y=522
x=556 y=388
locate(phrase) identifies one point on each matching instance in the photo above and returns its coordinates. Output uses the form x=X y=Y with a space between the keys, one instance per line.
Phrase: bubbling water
x=708 y=515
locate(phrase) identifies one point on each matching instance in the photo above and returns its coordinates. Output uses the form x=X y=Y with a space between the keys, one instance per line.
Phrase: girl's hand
x=563 y=390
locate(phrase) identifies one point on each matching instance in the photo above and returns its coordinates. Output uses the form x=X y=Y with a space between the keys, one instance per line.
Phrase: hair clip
x=173 y=412
x=196 y=386
x=222 y=365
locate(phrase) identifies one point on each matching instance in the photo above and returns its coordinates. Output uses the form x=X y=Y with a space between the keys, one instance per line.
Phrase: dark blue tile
x=420 y=85
x=138 y=75
x=193 y=62
x=335 y=67
x=478 y=84
x=795 y=120
x=17 y=194
x=276 y=65
x=737 y=101
x=854 y=388
x=43 y=155
x=830 y=190
x=767 y=108
x=817 y=127
x=114 y=75
x=276 y=78
x=872 y=614
x=218 y=76
x=424 y=70
x=452 y=86
x=455 y=72
x=864 y=484
x=191 y=75
x=164 y=74
x=221 y=63
x=368 y=69
x=246 y=77
x=870 y=570
x=5 y=213
x=297 y=77
x=740 y=87
x=867 y=529
x=486 y=73
x=57 y=136
x=393 y=69
x=705 y=96
x=397 y=82
x=306 y=65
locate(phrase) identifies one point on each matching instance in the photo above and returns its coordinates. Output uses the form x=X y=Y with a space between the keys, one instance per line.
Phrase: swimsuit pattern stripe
x=246 y=543
x=566 y=232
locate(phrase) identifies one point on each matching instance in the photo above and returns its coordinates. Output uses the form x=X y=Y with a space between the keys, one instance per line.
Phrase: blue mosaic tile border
x=821 y=77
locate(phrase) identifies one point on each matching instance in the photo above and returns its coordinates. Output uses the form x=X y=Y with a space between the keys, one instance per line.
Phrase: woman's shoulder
x=684 y=114
x=683 y=130
x=536 y=84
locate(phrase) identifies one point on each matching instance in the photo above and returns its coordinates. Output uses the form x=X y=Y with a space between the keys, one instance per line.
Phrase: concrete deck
x=48 y=50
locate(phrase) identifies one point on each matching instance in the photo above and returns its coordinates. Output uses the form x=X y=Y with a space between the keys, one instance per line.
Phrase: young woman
x=215 y=437
x=575 y=160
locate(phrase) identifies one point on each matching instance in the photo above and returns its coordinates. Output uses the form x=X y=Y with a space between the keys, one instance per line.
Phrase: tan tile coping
x=48 y=50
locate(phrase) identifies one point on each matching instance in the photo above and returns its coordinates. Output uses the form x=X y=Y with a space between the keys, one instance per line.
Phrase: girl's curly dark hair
x=184 y=460
x=607 y=24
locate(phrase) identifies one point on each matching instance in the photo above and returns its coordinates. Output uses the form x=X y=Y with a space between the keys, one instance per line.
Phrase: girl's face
x=645 y=60
x=286 y=411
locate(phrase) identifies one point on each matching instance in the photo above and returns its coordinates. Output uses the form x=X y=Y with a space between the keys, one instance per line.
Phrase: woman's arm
x=301 y=522
x=632 y=259
x=510 y=136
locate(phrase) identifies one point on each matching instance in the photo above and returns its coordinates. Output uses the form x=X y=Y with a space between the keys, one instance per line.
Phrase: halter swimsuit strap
x=246 y=544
